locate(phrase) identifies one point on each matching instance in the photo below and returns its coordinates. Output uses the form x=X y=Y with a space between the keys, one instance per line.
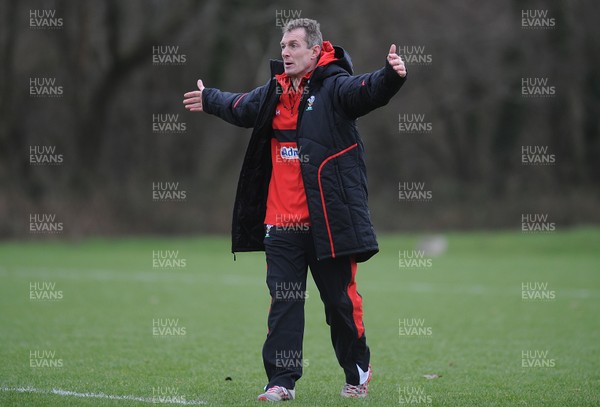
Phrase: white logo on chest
x=289 y=153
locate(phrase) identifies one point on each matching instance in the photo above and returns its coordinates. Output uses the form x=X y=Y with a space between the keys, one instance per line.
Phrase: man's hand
x=396 y=62
x=193 y=99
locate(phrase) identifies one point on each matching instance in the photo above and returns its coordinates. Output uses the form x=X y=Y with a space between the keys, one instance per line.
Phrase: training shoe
x=277 y=393
x=360 y=391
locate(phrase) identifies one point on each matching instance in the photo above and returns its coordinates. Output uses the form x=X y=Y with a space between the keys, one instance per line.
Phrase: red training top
x=286 y=201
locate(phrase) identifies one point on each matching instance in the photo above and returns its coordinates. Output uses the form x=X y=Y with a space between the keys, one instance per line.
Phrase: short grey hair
x=312 y=30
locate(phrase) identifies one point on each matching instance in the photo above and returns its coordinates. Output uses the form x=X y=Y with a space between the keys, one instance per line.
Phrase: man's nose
x=284 y=52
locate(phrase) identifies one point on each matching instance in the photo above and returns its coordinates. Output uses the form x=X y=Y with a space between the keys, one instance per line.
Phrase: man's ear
x=316 y=51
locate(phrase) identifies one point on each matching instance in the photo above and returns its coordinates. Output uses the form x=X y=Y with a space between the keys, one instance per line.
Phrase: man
x=302 y=194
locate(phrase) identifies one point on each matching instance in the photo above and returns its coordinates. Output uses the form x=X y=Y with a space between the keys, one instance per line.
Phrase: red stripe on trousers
x=355 y=298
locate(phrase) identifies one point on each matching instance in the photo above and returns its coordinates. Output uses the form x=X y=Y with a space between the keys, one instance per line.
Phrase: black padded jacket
x=333 y=165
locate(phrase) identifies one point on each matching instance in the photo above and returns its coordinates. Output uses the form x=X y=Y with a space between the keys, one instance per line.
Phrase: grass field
x=89 y=327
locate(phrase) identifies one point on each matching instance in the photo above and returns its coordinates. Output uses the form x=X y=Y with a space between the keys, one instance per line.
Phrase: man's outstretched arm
x=360 y=94
x=239 y=109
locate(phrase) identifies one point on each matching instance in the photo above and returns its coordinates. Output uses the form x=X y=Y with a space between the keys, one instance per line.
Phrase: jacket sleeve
x=360 y=94
x=240 y=109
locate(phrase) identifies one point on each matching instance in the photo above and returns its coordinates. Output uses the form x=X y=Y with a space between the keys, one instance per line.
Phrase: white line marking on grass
x=192 y=277
x=149 y=276
x=60 y=392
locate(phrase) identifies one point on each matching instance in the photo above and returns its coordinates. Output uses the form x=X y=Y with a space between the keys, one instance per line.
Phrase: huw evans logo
x=282 y=17
x=42 y=87
x=290 y=222
x=537 y=87
x=167 y=395
x=536 y=358
x=44 y=20
x=167 y=259
x=536 y=222
x=290 y=291
x=167 y=192
x=410 y=395
x=167 y=55
x=537 y=155
x=167 y=124
x=414 y=55
x=413 y=124
x=44 y=155
x=537 y=19
x=413 y=259
x=414 y=327
x=286 y=359
x=413 y=192
x=44 y=291
x=44 y=358
x=297 y=83
x=41 y=223
x=537 y=291
x=167 y=327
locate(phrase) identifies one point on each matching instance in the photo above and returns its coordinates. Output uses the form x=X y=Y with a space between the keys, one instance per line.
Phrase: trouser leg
x=335 y=279
x=286 y=279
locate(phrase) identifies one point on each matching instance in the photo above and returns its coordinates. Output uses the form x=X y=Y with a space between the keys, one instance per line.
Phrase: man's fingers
x=196 y=107
x=192 y=100
x=396 y=62
x=193 y=94
x=392 y=49
x=401 y=70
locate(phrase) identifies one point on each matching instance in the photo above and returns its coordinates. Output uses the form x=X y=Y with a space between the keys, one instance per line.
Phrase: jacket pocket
x=340 y=182
x=337 y=179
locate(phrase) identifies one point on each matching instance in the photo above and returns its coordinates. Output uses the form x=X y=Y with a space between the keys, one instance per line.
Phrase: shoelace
x=275 y=389
x=355 y=389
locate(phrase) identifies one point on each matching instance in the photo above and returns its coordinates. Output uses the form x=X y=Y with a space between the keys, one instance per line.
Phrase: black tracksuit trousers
x=289 y=255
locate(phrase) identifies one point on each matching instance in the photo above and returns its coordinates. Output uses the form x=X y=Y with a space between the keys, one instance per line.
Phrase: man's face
x=298 y=59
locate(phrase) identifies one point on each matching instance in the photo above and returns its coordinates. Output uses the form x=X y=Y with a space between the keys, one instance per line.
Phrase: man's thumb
x=200 y=85
x=392 y=49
